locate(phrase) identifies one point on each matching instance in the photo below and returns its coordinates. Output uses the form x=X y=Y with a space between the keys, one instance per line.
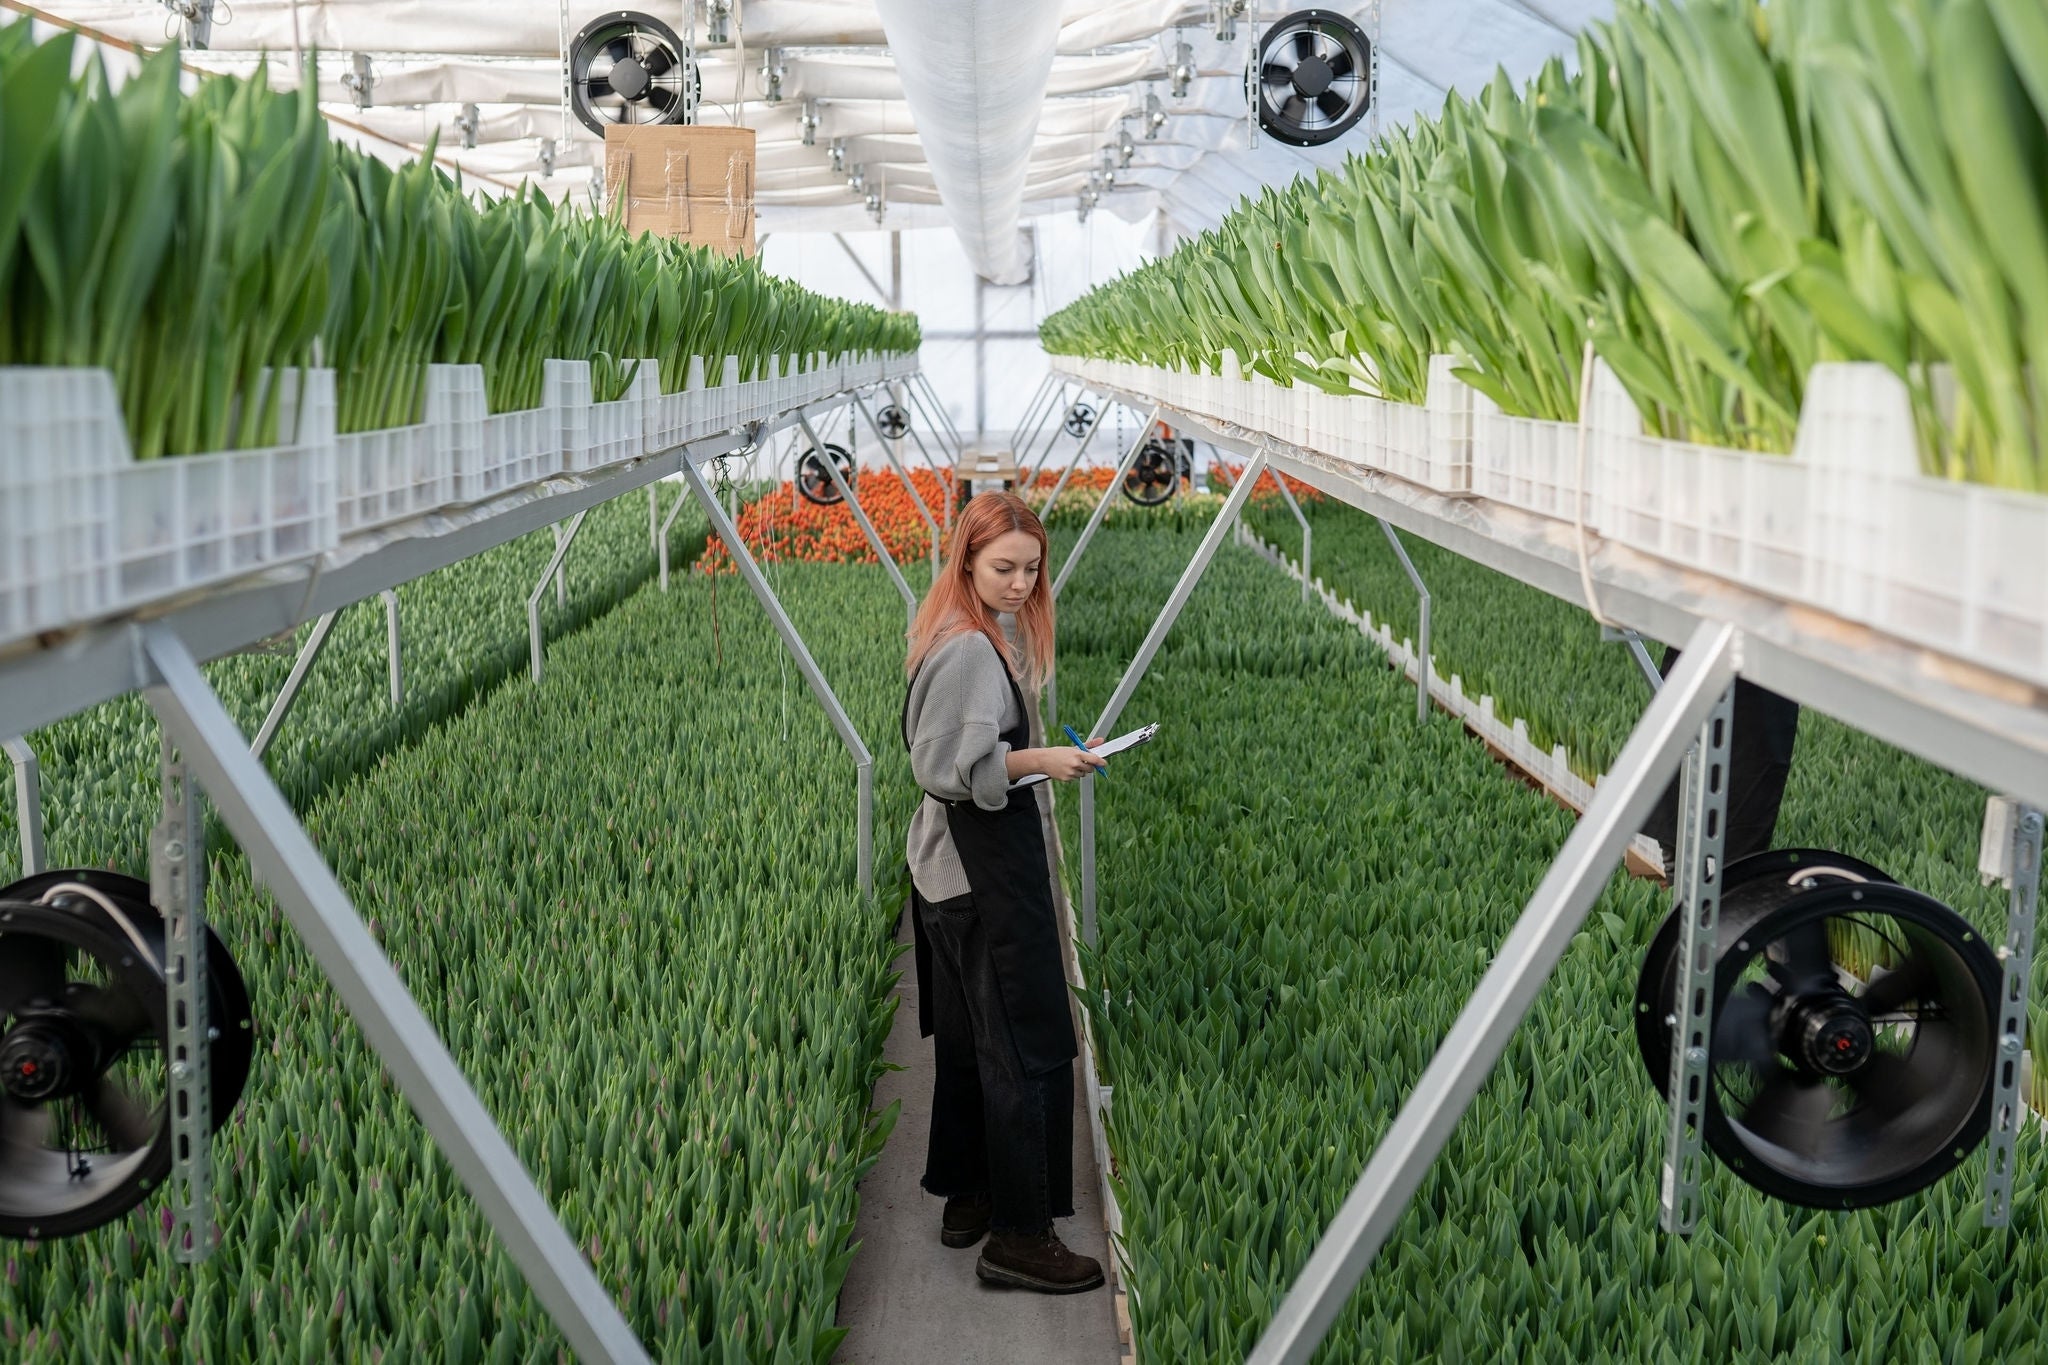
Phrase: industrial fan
x=1153 y=474
x=628 y=68
x=1077 y=421
x=1313 y=79
x=893 y=422
x=85 y=1130
x=814 y=481
x=1854 y=1030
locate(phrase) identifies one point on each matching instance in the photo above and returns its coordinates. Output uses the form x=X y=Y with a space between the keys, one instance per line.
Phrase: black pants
x=994 y=1128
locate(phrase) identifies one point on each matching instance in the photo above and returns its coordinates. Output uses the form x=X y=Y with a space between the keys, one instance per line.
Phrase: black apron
x=1003 y=855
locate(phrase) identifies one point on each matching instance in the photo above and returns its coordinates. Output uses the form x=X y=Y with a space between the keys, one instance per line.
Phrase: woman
x=991 y=984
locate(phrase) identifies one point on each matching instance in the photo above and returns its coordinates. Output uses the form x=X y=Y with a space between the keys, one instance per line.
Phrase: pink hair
x=954 y=606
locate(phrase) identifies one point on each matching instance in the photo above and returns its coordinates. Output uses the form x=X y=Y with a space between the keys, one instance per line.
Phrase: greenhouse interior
x=1249 y=684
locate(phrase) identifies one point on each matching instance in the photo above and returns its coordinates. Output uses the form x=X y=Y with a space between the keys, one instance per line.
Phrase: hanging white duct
x=974 y=73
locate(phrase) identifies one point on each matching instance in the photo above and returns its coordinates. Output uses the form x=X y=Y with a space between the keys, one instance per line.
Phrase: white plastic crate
x=495 y=452
x=1528 y=463
x=674 y=419
x=61 y=438
x=185 y=521
x=596 y=434
x=398 y=472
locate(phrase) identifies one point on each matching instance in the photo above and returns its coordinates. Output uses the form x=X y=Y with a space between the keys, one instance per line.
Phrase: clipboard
x=1108 y=749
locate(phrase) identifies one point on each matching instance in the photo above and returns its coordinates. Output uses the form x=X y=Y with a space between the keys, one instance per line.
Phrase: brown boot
x=965 y=1221
x=1037 y=1260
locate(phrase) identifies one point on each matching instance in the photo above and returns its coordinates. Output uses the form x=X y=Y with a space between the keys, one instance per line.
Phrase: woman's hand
x=1070 y=764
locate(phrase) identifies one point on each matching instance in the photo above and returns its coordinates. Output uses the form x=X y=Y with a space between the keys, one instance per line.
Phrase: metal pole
x=560 y=572
x=1481 y=1032
x=404 y=1039
x=177 y=876
x=1080 y=450
x=390 y=596
x=1088 y=929
x=945 y=419
x=1307 y=534
x=1095 y=519
x=654 y=518
x=28 y=802
x=888 y=450
x=867 y=527
x=1059 y=405
x=1422 y=634
x=794 y=643
x=1213 y=538
x=2008 y=1106
x=1702 y=821
x=554 y=571
x=951 y=474
x=301 y=666
x=941 y=432
x=661 y=537
x=1030 y=410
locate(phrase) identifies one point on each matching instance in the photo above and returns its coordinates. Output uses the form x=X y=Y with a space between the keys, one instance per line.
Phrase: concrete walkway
x=910 y=1301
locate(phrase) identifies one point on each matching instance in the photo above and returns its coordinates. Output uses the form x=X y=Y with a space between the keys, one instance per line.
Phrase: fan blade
x=1304 y=46
x=1272 y=73
x=661 y=98
x=31 y=968
x=1802 y=958
x=1790 y=1112
x=128 y=1126
x=1343 y=64
x=597 y=87
x=1890 y=1085
x=116 y=1017
x=1742 y=1028
x=659 y=59
x=1332 y=105
x=1910 y=981
x=24 y=1127
x=1295 y=111
x=618 y=49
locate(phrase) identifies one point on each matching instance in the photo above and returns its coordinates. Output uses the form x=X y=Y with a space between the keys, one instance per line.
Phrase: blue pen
x=1099 y=772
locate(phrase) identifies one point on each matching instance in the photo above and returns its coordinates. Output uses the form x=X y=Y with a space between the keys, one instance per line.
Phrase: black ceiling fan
x=1313 y=78
x=625 y=67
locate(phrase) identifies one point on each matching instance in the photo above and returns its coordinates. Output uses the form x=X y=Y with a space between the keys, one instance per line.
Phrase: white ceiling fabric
x=1007 y=109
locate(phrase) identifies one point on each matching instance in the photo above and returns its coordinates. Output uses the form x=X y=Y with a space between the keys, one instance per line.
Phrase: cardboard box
x=692 y=183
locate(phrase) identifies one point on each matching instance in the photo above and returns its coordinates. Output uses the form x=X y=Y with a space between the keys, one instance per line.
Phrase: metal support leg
x=1422 y=633
x=941 y=418
x=1101 y=508
x=286 y=861
x=391 y=650
x=1307 y=532
x=947 y=439
x=888 y=450
x=867 y=527
x=1080 y=452
x=177 y=876
x=554 y=571
x=2016 y=956
x=557 y=569
x=28 y=802
x=296 y=679
x=1637 y=651
x=1031 y=410
x=654 y=517
x=863 y=762
x=1480 y=1034
x=1088 y=929
x=1702 y=830
x=661 y=534
x=1059 y=405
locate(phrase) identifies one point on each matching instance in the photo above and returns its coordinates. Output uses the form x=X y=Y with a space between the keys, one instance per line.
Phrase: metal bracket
x=1307 y=532
x=1637 y=650
x=934 y=411
x=28 y=802
x=1504 y=995
x=661 y=535
x=1059 y=404
x=554 y=571
x=889 y=450
x=284 y=859
x=296 y=679
x=1422 y=662
x=1031 y=410
x=863 y=762
x=177 y=876
x=2016 y=956
x=867 y=527
x=391 y=650
x=1702 y=831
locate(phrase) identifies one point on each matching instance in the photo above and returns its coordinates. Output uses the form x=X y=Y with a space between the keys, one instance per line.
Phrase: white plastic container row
x=1846 y=523
x=88 y=531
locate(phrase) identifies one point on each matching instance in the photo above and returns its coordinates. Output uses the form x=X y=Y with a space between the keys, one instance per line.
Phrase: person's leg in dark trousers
x=1759 y=766
x=1020 y=1143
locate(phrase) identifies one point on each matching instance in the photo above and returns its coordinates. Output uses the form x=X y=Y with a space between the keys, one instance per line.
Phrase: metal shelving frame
x=1983 y=726
x=158 y=652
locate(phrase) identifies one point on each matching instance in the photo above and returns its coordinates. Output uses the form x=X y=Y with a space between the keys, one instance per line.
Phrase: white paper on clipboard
x=1108 y=749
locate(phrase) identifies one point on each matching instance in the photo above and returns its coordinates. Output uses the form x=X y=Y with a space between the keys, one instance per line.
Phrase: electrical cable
x=113 y=911
x=1579 y=487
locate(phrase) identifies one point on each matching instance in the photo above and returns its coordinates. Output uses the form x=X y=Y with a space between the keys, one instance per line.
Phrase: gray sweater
x=959 y=704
